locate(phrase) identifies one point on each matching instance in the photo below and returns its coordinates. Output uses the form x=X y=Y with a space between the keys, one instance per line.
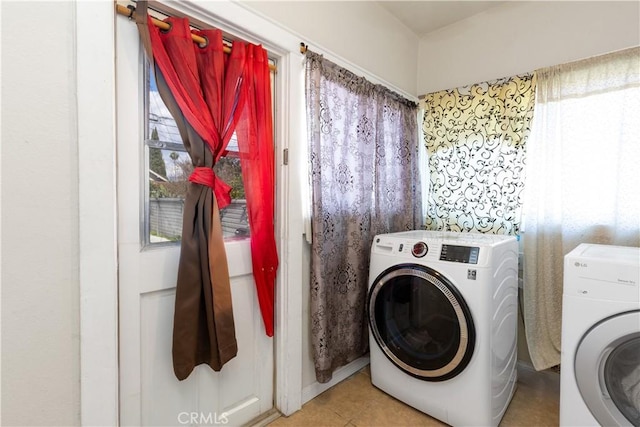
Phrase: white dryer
x=442 y=310
x=600 y=362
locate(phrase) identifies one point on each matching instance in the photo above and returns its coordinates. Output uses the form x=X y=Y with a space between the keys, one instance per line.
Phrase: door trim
x=95 y=74
x=95 y=32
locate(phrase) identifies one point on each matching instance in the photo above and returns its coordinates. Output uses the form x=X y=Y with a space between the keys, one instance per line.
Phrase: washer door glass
x=622 y=378
x=421 y=322
x=607 y=369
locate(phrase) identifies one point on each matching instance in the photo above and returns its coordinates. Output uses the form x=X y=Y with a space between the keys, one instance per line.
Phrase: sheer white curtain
x=582 y=183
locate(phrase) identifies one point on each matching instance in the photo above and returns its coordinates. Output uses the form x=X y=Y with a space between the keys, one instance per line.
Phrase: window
x=581 y=180
x=475 y=137
x=168 y=167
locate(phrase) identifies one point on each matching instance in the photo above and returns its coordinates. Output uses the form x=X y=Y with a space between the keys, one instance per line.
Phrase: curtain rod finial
x=303 y=48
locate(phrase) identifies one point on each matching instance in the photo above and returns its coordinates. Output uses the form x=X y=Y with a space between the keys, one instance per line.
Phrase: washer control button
x=419 y=249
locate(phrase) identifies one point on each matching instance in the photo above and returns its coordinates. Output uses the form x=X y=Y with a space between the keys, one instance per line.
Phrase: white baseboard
x=266 y=419
x=341 y=374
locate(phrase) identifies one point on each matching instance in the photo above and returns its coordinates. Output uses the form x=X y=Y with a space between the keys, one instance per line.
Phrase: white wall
x=361 y=32
x=519 y=37
x=40 y=285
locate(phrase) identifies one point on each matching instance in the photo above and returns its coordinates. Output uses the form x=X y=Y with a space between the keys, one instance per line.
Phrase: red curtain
x=255 y=141
x=206 y=92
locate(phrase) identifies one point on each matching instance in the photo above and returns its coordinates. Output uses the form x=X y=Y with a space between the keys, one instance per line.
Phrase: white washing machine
x=442 y=310
x=600 y=362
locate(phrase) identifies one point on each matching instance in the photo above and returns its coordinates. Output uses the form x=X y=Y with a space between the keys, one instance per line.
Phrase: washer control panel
x=463 y=254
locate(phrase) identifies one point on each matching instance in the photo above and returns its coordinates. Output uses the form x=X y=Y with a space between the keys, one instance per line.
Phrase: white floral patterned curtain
x=476 y=142
x=582 y=180
x=364 y=181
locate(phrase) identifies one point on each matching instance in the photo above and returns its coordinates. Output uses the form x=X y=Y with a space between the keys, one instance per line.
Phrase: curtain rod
x=129 y=11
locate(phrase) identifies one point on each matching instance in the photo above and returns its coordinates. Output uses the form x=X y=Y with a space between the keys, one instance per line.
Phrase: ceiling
x=423 y=17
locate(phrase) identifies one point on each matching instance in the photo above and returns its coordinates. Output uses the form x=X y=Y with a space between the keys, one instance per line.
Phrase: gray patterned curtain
x=364 y=181
x=476 y=140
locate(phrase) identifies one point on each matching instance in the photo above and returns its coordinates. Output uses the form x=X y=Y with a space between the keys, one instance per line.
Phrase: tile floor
x=356 y=402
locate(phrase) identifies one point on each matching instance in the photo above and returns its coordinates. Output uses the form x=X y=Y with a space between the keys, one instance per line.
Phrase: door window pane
x=168 y=167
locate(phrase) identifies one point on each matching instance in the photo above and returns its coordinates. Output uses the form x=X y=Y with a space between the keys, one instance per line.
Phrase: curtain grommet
x=206 y=42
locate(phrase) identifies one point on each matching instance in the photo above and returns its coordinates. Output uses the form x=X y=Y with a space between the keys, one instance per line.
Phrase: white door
x=149 y=392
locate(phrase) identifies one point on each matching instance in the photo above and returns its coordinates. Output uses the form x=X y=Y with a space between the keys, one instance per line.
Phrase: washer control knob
x=419 y=249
